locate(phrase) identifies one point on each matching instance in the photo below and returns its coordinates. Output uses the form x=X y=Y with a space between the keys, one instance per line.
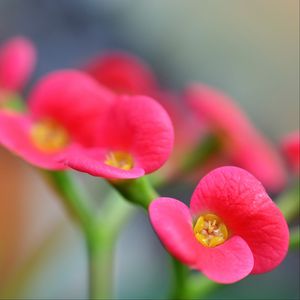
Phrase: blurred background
x=249 y=48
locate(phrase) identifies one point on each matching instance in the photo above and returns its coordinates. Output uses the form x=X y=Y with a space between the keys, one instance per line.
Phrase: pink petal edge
x=172 y=222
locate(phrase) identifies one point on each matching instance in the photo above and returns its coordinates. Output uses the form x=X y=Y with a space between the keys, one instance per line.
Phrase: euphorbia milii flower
x=242 y=142
x=232 y=228
x=123 y=73
x=291 y=149
x=17 y=60
x=135 y=138
x=126 y=73
x=63 y=110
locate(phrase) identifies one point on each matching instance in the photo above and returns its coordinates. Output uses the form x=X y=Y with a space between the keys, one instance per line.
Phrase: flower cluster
x=207 y=110
x=74 y=122
x=113 y=120
x=242 y=144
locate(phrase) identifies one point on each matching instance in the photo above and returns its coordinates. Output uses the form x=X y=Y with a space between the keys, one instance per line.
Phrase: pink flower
x=242 y=143
x=17 y=60
x=291 y=149
x=135 y=138
x=123 y=73
x=232 y=228
x=63 y=111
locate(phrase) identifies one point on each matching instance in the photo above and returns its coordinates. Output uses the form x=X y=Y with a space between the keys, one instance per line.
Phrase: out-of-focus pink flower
x=17 y=60
x=291 y=149
x=232 y=228
x=123 y=73
x=63 y=110
x=242 y=143
x=135 y=138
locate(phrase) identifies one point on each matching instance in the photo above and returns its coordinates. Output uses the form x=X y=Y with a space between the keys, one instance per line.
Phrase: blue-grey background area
x=249 y=48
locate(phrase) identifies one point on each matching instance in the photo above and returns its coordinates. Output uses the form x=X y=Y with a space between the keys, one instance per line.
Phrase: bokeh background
x=249 y=48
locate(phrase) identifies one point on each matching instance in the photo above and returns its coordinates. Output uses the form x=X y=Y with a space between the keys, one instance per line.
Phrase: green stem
x=100 y=261
x=199 y=286
x=100 y=231
x=12 y=101
x=288 y=203
x=207 y=147
x=138 y=191
x=73 y=198
x=295 y=238
x=180 y=275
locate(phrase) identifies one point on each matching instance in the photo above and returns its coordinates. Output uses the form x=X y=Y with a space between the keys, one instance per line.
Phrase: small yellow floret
x=119 y=159
x=49 y=136
x=210 y=231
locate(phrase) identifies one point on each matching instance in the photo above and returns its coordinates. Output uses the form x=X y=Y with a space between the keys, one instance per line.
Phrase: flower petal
x=241 y=201
x=226 y=263
x=140 y=126
x=123 y=73
x=17 y=60
x=91 y=161
x=74 y=100
x=244 y=144
x=291 y=149
x=14 y=135
x=172 y=222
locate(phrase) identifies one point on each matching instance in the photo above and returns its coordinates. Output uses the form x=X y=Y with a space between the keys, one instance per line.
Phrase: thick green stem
x=138 y=191
x=100 y=255
x=100 y=231
x=180 y=276
x=73 y=198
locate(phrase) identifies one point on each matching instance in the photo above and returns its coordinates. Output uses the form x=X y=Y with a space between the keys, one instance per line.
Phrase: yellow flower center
x=119 y=159
x=49 y=136
x=210 y=231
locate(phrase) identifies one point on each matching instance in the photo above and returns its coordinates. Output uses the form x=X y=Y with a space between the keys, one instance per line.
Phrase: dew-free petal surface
x=172 y=222
x=123 y=73
x=91 y=161
x=14 y=135
x=140 y=126
x=74 y=100
x=241 y=201
x=226 y=263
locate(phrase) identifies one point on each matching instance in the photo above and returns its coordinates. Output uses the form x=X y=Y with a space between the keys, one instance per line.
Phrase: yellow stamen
x=49 y=136
x=119 y=159
x=210 y=231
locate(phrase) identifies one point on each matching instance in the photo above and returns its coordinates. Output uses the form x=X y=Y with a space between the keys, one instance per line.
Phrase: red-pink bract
x=123 y=73
x=242 y=142
x=291 y=150
x=17 y=60
x=258 y=232
x=126 y=73
x=71 y=99
x=136 y=125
